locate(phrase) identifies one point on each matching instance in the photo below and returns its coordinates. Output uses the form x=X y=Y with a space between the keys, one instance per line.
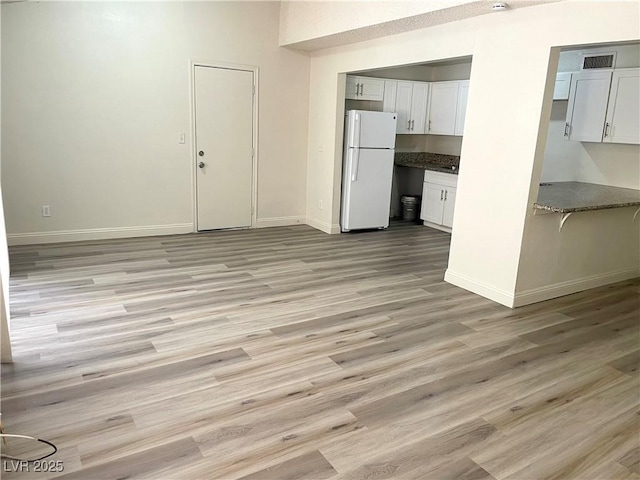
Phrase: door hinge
x=253 y=89
x=253 y=152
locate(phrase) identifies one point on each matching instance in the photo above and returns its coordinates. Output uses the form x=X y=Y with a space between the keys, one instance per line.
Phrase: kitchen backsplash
x=447 y=145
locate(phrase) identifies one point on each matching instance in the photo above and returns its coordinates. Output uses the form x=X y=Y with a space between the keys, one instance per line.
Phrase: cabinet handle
x=357 y=89
x=413 y=123
x=566 y=128
x=606 y=129
x=429 y=126
x=445 y=195
x=409 y=125
x=441 y=195
x=361 y=88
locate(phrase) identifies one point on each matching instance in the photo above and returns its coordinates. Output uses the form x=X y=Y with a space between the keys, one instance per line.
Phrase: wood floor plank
x=310 y=465
x=285 y=353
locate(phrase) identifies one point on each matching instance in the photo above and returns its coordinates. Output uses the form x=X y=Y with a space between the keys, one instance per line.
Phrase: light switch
x=181 y=138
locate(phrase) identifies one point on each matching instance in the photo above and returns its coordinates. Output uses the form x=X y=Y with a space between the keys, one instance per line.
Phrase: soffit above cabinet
x=315 y=25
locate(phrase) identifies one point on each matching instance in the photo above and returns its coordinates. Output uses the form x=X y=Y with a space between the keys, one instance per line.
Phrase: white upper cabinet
x=410 y=105
x=389 y=99
x=364 y=88
x=403 y=107
x=419 y=101
x=461 y=112
x=587 y=106
x=622 y=123
x=562 y=87
x=422 y=107
x=443 y=102
x=352 y=88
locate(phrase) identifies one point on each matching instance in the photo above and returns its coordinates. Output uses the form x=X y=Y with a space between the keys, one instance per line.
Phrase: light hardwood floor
x=286 y=353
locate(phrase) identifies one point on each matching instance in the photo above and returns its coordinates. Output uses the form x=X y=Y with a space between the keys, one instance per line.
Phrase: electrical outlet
x=46 y=211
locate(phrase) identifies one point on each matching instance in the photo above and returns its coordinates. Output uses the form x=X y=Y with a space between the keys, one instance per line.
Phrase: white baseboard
x=322 y=226
x=33 y=238
x=539 y=294
x=535 y=295
x=279 y=221
x=500 y=296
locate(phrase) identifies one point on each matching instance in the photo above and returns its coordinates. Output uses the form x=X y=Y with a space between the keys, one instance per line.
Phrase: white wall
x=95 y=95
x=5 y=342
x=5 y=317
x=505 y=131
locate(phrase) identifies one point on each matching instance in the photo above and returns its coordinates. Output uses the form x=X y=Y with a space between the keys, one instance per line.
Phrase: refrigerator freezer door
x=365 y=200
x=370 y=129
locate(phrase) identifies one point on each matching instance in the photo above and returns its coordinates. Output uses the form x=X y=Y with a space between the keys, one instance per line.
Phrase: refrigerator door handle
x=356 y=131
x=355 y=163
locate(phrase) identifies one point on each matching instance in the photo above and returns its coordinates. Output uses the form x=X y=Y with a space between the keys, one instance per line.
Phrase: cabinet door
x=371 y=89
x=587 y=106
x=389 y=101
x=432 y=203
x=443 y=100
x=403 y=107
x=623 y=115
x=562 y=87
x=352 y=87
x=419 y=100
x=449 y=206
x=461 y=111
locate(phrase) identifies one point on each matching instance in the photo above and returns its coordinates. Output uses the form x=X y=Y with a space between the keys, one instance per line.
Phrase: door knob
x=201 y=164
x=201 y=153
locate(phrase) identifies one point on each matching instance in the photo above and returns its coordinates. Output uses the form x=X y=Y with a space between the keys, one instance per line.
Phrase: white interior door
x=224 y=147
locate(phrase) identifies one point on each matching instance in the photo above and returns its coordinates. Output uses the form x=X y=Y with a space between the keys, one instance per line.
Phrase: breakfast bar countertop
x=428 y=161
x=568 y=197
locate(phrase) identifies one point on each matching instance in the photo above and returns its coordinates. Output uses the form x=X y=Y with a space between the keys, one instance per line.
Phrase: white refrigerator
x=369 y=147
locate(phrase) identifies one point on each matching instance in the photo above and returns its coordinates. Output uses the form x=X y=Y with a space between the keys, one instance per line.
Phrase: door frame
x=194 y=158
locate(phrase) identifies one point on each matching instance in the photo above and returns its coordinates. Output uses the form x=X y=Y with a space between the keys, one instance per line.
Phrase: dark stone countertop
x=568 y=197
x=428 y=161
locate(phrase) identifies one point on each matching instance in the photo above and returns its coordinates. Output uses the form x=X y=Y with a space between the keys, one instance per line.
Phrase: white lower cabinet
x=449 y=204
x=438 y=200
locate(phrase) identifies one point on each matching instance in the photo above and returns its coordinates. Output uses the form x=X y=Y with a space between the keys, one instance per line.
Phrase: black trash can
x=410 y=207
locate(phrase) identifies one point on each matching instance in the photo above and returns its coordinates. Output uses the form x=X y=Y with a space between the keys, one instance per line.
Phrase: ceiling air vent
x=601 y=60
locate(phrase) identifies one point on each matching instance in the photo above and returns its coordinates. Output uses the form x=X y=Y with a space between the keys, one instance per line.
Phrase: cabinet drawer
x=445 y=179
